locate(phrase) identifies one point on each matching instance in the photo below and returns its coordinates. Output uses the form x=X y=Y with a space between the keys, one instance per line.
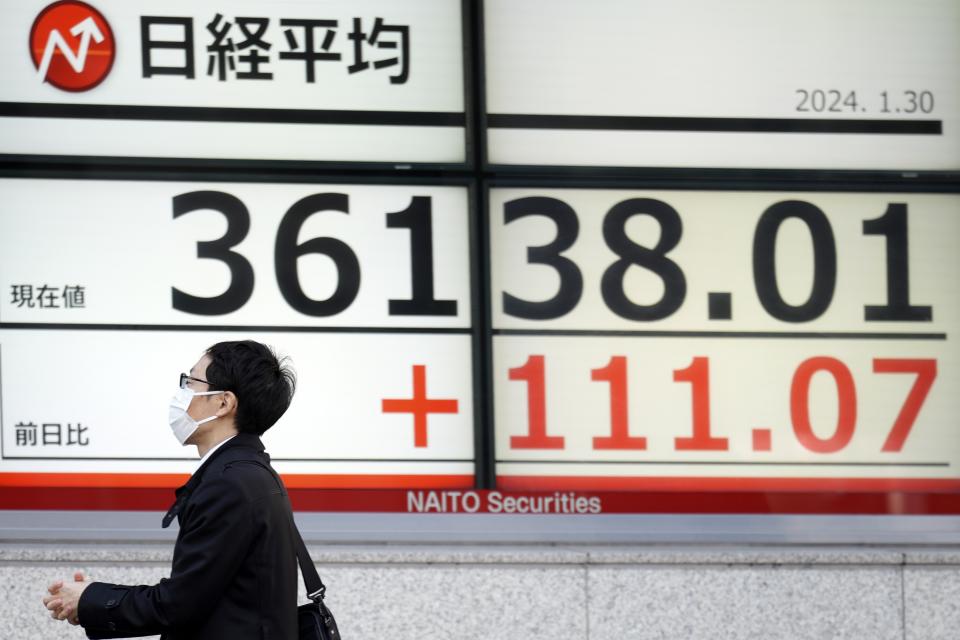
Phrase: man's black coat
x=234 y=572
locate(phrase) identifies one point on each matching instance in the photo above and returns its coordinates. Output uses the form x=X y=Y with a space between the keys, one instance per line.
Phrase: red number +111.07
x=697 y=374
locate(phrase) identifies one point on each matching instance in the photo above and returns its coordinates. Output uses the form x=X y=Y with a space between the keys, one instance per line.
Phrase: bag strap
x=311 y=579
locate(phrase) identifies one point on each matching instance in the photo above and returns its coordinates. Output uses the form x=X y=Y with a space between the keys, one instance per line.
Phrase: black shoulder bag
x=314 y=619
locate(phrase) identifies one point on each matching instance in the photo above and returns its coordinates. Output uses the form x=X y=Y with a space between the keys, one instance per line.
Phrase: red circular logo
x=72 y=46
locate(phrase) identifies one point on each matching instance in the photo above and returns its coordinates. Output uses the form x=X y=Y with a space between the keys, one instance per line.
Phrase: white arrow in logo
x=88 y=28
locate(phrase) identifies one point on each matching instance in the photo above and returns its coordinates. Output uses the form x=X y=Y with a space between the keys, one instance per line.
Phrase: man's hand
x=64 y=599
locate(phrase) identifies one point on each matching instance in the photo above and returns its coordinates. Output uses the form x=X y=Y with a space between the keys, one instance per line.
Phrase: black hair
x=264 y=385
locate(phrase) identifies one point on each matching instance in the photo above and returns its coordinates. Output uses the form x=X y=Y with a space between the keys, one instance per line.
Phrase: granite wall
x=565 y=591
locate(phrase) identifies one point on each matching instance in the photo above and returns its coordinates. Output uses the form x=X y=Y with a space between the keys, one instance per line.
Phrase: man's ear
x=228 y=404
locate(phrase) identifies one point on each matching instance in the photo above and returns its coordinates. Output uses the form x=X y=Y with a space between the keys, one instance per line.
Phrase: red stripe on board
x=524 y=494
x=106 y=480
x=523 y=502
x=330 y=481
x=86 y=498
x=773 y=502
x=633 y=483
x=629 y=502
x=174 y=480
x=508 y=483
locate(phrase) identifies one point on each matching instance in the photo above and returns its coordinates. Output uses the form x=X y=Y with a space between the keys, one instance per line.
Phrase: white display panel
x=368 y=81
x=788 y=261
x=764 y=409
x=301 y=255
x=111 y=288
x=112 y=389
x=745 y=84
x=703 y=340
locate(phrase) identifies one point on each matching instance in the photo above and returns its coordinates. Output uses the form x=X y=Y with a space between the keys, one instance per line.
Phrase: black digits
x=655 y=260
x=287 y=251
x=824 y=261
x=893 y=225
x=241 y=272
x=571 y=280
x=418 y=217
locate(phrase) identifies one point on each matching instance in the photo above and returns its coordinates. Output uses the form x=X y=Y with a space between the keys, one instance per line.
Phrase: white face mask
x=180 y=421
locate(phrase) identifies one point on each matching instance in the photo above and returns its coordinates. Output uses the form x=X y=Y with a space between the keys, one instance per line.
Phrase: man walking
x=234 y=573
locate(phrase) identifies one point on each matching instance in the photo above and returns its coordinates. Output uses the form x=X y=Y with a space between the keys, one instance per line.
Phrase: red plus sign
x=419 y=405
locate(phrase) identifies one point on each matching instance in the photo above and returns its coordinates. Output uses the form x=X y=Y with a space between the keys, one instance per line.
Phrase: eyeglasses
x=184 y=377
